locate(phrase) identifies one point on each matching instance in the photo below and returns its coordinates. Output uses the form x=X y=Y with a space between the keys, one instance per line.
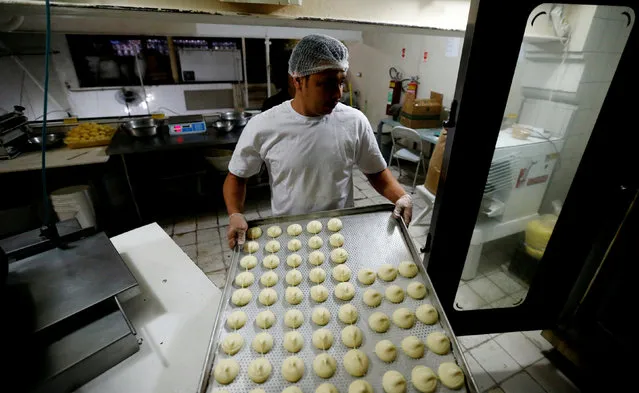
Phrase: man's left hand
x=404 y=208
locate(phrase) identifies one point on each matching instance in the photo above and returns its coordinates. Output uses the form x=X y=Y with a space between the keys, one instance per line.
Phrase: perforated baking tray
x=372 y=238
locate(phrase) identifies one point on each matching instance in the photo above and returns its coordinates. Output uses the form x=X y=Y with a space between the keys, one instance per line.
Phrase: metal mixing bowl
x=240 y=118
x=224 y=125
x=49 y=140
x=147 y=126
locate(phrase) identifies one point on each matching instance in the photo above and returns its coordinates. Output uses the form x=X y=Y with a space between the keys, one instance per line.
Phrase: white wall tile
x=505 y=283
x=470 y=342
x=486 y=289
x=483 y=380
x=551 y=379
x=519 y=348
x=521 y=383
x=495 y=360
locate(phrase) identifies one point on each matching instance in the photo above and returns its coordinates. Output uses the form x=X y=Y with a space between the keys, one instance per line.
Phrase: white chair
x=404 y=141
x=423 y=192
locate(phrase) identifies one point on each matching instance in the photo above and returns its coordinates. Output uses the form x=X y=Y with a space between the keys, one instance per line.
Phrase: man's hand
x=236 y=233
x=404 y=208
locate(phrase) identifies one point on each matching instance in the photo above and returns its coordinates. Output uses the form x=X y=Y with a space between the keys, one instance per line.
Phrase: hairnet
x=316 y=53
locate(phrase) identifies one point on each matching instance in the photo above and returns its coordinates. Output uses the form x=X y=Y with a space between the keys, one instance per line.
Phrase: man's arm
x=234 y=196
x=384 y=183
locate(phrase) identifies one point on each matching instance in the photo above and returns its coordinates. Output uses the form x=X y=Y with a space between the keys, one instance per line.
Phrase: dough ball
x=387 y=272
x=232 y=343
x=271 y=261
x=293 y=295
x=394 y=294
x=339 y=255
x=317 y=275
x=293 y=318
x=451 y=375
x=293 y=341
x=348 y=313
x=352 y=336
x=259 y=370
x=321 y=316
x=294 y=230
x=379 y=322
x=403 y=318
x=386 y=351
x=251 y=247
x=427 y=314
x=272 y=246
x=341 y=273
x=257 y=390
x=293 y=369
x=319 y=293
x=408 y=269
x=366 y=276
x=372 y=298
x=360 y=386
x=269 y=279
x=394 y=382
x=294 y=244
x=244 y=279
x=248 y=262
x=274 y=231
x=294 y=260
x=438 y=342
x=236 y=319
x=292 y=389
x=413 y=347
x=268 y=296
x=265 y=319
x=322 y=339
x=344 y=291
x=226 y=371
x=315 y=242
x=334 y=224
x=241 y=297
x=416 y=290
x=262 y=343
x=324 y=365
x=356 y=363
x=294 y=277
x=314 y=227
x=326 y=388
x=424 y=379
x=336 y=240
x=254 y=233
x=316 y=258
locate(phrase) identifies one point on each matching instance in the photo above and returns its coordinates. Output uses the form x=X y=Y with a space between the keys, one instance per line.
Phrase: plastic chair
x=404 y=139
x=423 y=192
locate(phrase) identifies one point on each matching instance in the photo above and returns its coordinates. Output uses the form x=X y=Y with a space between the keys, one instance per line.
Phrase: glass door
x=534 y=180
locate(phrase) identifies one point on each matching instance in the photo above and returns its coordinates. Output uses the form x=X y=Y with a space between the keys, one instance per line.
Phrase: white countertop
x=56 y=158
x=173 y=312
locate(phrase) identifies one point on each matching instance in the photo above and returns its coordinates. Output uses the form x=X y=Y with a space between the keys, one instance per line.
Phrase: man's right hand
x=236 y=233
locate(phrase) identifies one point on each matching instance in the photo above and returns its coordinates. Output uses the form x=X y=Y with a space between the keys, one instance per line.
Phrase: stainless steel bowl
x=224 y=125
x=144 y=127
x=49 y=140
x=240 y=118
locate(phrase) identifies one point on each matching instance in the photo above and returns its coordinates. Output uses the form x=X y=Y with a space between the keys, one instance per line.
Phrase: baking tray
x=372 y=238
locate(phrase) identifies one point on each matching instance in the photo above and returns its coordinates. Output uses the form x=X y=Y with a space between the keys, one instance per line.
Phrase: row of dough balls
x=293 y=295
x=315 y=258
x=315 y=242
x=313 y=227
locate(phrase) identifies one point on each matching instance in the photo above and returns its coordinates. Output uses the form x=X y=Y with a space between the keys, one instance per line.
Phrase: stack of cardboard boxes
x=422 y=113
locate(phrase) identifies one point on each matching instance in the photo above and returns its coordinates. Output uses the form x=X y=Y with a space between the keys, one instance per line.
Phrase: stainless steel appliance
x=13 y=133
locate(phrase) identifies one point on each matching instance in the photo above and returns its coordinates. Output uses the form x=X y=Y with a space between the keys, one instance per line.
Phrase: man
x=310 y=144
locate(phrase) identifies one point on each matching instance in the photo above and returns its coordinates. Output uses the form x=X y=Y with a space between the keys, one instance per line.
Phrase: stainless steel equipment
x=144 y=127
x=240 y=118
x=49 y=140
x=224 y=125
x=13 y=133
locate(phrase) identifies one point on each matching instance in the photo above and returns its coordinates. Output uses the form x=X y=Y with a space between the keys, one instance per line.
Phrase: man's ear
x=297 y=82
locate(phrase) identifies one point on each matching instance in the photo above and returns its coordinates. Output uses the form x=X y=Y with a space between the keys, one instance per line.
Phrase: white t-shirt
x=309 y=159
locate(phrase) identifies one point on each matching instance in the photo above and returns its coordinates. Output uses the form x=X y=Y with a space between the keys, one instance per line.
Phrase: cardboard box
x=422 y=113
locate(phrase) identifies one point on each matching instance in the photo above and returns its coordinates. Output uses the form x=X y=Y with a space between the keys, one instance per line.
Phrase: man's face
x=321 y=92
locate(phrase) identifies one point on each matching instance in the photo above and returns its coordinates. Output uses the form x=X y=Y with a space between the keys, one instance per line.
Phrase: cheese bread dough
x=232 y=343
x=294 y=245
x=241 y=297
x=342 y=273
x=236 y=319
x=336 y=240
x=324 y=365
x=314 y=227
x=387 y=272
x=356 y=363
x=259 y=370
x=293 y=341
x=317 y=275
x=256 y=390
x=379 y=322
x=386 y=351
x=268 y=296
x=322 y=339
x=424 y=379
x=416 y=290
x=413 y=347
x=451 y=375
x=394 y=382
x=321 y=316
x=294 y=277
x=394 y=294
x=293 y=369
x=438 y=342
x=226 y=371
x=344 y=291
x=407 y=269
x=334 y=224
x=347 y=313
x=352 y=336
x=316 y=258
x=427 y=314
x=254 y=233
x=403 y=318
x=319 y=293
x=326 y=388
x=293 y=295
x=360 y=386
x=292 y=389
x=372 y=298
x=262 y=343
x=315 y=242
x=294 y=260
x=366 y=276
x=269 y=279
x=293 y=318
x=244 y=279
x=294 y=230
x=248 y=262
x=251 y=247
x=265 y=319
x=274 y=231
x=339 y=255
x=271 y=261
x=272 y=246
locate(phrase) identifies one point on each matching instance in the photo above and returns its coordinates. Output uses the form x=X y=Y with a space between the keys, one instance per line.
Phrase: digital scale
x=183 y=125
